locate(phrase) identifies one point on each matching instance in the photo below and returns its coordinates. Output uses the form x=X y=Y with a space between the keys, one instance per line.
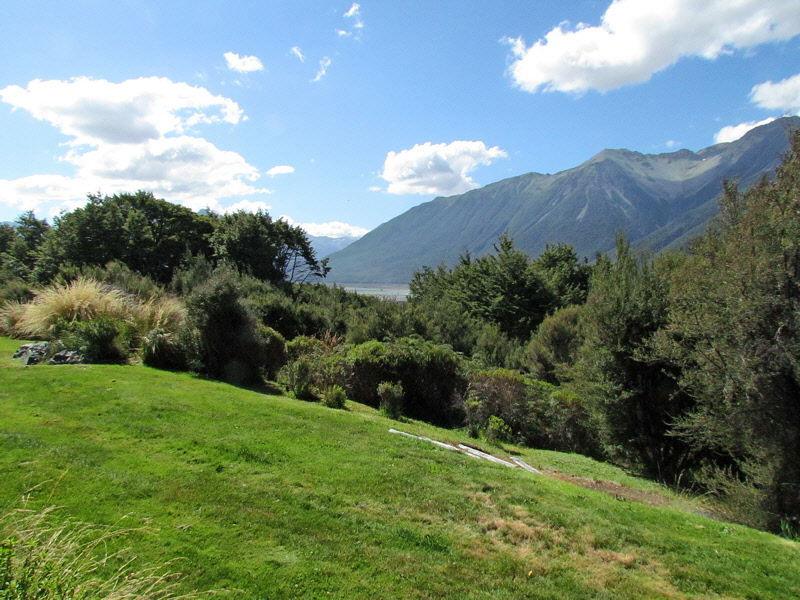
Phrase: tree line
x=684 y=367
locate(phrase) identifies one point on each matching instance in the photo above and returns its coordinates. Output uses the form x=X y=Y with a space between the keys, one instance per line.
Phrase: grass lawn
x=281 y=498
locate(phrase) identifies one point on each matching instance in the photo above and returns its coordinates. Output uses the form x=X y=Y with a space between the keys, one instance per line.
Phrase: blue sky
x=339 y=116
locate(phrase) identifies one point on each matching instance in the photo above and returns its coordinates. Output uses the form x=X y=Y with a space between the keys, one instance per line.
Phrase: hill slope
x=286 y=499
x=659 y=200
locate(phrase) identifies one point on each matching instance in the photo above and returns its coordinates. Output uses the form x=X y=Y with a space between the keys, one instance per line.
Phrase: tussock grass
x=80 y=300
x=42 y=559
x=11 y=314
x=164 y=312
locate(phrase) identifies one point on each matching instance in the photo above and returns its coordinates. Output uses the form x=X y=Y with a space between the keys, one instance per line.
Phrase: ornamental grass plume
x=79 y=300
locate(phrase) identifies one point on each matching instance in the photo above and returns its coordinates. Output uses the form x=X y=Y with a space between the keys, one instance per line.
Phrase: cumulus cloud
x=637 y=38
x=243 y=64
x=783 y=95
x=280 y=170
x=323 y=68
x=333 y=229
x=128 y=136
x=441 y=169
x=298 y=53
x=731 y=133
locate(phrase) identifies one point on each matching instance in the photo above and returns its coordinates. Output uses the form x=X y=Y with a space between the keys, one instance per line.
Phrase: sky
x=338 y=116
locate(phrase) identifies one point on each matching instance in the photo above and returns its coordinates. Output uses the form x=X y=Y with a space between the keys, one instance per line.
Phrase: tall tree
x=734 y=329
x=150 y=235
x=270 y=250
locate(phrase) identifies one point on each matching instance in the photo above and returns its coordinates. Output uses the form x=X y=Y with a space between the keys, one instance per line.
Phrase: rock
x=67 y=357
x=32 y=354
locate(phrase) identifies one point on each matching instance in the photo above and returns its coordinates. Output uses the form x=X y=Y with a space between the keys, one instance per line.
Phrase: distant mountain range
x=659 y=200
x=324 y=245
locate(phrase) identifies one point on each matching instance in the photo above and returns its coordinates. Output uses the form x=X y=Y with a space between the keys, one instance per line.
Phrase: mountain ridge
x=660 y=200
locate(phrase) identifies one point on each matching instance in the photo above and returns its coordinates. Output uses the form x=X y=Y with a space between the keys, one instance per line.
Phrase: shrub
x=220 y=334
x=391 y=399
x=101 y=340
x=296 y=378
x=162 y=350
x=334 y=396
x=15 y=290
x=165 y=312
x=274 y=350
x=11 y=315
x=497 y=431
x=430 y=375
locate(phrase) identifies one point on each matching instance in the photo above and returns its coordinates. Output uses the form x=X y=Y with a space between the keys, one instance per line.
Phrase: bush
x=391 y=399
x=15 y=290
x=536 y=413
x=275 y=354
x=220 y=335
x=334 y=396
x=11 y=314
x=101 y=340
x=497 y=431
x=296 y=378
x=431 y=376
x=161 y=349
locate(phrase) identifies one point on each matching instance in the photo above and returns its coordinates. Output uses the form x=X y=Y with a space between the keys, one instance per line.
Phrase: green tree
x=734 y=329
x=634 y=394
x=148 y=234
x=269 y=250
x=503 y=288
x=567 y=276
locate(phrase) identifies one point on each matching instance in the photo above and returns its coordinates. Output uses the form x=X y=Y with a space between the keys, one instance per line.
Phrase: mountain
x=324 y=245
x=660 y=200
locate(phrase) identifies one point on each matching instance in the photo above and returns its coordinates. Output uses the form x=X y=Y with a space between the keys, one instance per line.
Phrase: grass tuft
x=42 y=560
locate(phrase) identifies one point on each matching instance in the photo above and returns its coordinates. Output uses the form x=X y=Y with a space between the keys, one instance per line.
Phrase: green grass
x=286 y=499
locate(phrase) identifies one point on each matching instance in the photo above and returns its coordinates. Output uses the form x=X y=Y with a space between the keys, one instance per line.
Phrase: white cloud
x=280 y=170
x=334 y=229
x=128 y=136
x=323 y=68
x=298 y=53
x=731 y=133
x=671 y=144
x=246 y=206
x=355 y=14
x=243 y=64
x=784 y=95
x=441 y=169
x=637 y=38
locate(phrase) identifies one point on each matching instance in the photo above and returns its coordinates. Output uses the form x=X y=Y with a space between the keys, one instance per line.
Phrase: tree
x=20 y=245
x=634 y=394
x=272 y=251
x=503 y=288
x=148 y=234
x=734 y=330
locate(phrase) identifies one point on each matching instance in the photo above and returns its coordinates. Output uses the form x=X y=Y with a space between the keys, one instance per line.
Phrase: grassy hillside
x=285 y=499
